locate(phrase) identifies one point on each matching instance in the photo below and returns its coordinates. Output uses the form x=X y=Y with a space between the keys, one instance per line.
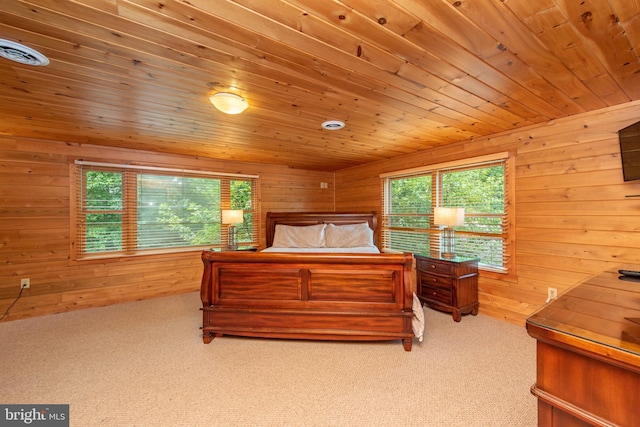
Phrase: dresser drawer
x=436 y=294
x=434 y=281
x=435 y=267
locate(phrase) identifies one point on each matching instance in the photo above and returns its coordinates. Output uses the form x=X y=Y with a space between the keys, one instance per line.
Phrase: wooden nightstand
x=448 y=284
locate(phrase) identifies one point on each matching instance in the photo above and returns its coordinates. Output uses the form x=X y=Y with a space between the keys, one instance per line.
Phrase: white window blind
x=408 y=210
x=479 y=186
x=128 y=210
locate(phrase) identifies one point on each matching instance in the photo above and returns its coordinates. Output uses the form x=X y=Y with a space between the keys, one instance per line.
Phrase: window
x=478 y=185
x=125 y=210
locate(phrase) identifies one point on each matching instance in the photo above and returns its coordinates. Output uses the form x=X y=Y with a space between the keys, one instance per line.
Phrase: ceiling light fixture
x=229 y=103
x=22 y=54
x=332 y=125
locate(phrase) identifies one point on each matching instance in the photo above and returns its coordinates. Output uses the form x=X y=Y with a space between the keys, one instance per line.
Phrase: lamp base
x=232 y=242
x=447 y=247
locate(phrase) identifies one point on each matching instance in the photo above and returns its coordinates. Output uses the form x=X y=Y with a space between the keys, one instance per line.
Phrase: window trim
x=156 y=168
x=75 y=247
x=504 y=155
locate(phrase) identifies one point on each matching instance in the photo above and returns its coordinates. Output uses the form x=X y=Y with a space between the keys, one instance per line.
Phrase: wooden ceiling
x=404 y=75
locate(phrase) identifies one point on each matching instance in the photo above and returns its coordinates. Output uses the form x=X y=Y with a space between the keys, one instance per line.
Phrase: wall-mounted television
x=630 y=151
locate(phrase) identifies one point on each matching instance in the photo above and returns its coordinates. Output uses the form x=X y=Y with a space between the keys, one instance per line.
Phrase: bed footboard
x=307 y=296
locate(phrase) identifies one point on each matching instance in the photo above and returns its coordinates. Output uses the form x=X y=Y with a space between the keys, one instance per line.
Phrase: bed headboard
x=311 y=218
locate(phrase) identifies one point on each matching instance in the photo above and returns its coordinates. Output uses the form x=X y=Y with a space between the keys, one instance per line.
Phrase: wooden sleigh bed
x=309 y=295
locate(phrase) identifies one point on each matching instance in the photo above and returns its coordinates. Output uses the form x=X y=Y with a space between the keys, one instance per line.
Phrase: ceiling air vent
x=22 y=54
x=333 y=125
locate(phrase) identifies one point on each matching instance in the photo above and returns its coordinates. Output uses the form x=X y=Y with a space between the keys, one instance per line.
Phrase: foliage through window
x=124 y=210
x=480 y=187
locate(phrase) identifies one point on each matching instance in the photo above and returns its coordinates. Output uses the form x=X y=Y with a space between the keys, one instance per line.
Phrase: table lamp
x=232 y=217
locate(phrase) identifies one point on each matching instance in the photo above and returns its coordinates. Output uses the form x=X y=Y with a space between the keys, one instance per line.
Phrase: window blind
x=480 y=189
x=127 y=210
x=478 y=185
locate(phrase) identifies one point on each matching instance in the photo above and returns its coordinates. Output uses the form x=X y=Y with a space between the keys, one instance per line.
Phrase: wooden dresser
x=448 y=284
x=588 y=354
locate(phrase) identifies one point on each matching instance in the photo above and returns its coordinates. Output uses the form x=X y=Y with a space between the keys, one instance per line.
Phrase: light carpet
x=144 y=364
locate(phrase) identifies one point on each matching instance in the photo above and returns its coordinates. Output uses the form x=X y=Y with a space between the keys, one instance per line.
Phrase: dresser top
x=604 y=310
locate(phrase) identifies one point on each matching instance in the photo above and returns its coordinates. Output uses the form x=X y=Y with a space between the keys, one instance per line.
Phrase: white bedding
x=323 y=236
x=417 y=322
x=325 y=250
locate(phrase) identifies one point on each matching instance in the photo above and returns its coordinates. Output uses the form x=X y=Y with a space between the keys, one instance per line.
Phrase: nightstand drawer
x=435 y=267
x=436 y=294
x=434 y=281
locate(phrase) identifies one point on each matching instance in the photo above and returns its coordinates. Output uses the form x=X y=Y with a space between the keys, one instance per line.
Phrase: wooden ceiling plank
x=318 y=52
x=628 y=15
x=632 y=30
x=458 y=29
x=499 y=22
x=376 y=34
x=605 y=37
x=489 y=77
x=101 y=114
x=519 y=45
x=608 y=89
x=109 y=6
x=538 y=15
x=116 y=39
x=385 y=13
x=550 y=25
x=268 y=156
x=460 y=100
x=368 y=91
x=122 y=96
x=405 y=75
x=178 y=135
x=578 y=57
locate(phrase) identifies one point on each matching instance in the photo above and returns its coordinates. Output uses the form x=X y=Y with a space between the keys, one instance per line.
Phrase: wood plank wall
x=35 y=227
x=573 y=219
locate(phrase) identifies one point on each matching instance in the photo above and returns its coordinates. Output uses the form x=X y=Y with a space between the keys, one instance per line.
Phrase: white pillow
x=349 y=236
x=308 y=236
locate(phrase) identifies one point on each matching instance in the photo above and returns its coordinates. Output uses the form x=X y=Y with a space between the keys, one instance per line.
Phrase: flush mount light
x=22 y=54
x=332 y=125
x=229 y=103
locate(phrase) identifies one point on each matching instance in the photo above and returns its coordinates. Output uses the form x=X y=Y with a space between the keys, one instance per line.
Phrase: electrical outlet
x=25 y=283
x=552 y=293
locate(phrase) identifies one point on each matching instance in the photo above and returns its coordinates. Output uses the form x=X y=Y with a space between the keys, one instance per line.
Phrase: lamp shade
x=229 y=103
x=234 y=216
x=448 y=217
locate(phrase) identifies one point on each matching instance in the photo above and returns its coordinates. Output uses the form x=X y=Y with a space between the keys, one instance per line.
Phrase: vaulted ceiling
x=404 y=75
